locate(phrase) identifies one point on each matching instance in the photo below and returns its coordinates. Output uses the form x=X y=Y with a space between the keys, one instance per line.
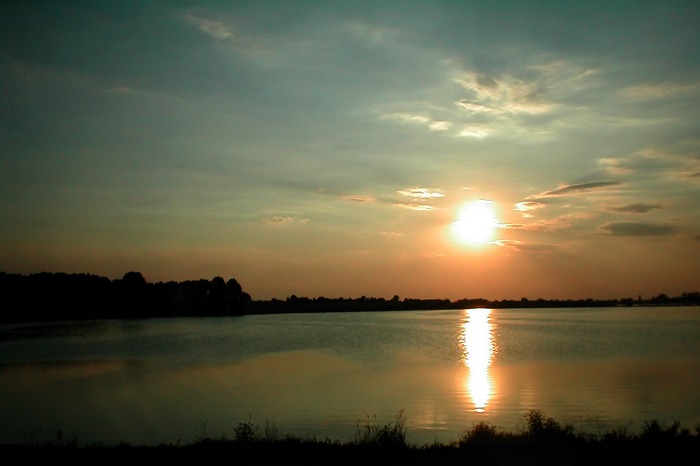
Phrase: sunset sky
x=327 y=148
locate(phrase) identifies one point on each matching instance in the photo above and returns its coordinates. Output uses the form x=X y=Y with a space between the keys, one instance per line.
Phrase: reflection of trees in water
x=478 y=351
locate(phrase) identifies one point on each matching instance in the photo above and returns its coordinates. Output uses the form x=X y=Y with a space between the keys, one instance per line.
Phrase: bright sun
x=476 y=223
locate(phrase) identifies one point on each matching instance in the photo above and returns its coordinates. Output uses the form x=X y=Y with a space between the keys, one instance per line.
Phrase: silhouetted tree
x=236 y=298
x=217 y=296
x=131 y=296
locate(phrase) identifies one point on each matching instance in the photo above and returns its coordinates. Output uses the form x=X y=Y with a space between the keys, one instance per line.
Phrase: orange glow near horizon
x=476 y=223
x=478 y=350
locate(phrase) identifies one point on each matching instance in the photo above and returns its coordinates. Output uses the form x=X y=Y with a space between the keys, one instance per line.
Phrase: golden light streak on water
x=478 y=350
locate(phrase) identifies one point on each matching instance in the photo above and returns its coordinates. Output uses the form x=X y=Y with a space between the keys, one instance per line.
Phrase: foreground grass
x=543 y=441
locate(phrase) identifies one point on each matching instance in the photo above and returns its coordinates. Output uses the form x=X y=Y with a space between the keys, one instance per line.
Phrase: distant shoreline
x=317 y=305
x=60 y=296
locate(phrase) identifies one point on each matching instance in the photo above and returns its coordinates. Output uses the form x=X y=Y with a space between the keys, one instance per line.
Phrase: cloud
x=554 y=224
x=419 y=207
x=475 y=131
x=525 y=207
x=487 y=102
x=486 y=83
x=407 y=117
x=213 y=28
x=651 y=91
x=567 y=74
x=541 y=225
x=121 y=90
x=439 y=125
x=490 y=99
x=415 y=118
x=637 y=229
x=422 y=193
x=639 y=208
x=649 y=161
x=503 y=95
x=512 y=226
x=568 y=190
x=484 y=87
x=663 y=166
x=580 y=188
x=534 y=201
x=280 y=220
x=528 y=247
x=359 y=198
x=475 y=108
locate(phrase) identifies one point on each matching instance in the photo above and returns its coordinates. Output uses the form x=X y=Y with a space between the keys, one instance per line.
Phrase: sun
x=476 y=223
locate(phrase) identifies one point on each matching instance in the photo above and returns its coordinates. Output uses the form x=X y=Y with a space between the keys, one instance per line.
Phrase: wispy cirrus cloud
x=645 y=161
x=579 y=188
x=476 y=131
x=539 y=201
x=638 y=229
x=473 y=107
x=121 y=90
x=691 y=174
x=286 y=220
x=501 y=95
x=655 y=163
x=419 y=196
x=548 y=225
x=665 y=90
x=213 y=28
x=499 y=103
x=527 y=247
x=359 y=198
x=422 y=193
x=418 y=207
x=638 y=208
x=526 y=207
x=420 y=119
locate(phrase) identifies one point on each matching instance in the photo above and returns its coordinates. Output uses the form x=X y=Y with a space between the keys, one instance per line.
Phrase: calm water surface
x=164 y=380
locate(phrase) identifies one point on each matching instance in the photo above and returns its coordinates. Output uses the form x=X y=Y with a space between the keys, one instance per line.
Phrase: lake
x=169 y=380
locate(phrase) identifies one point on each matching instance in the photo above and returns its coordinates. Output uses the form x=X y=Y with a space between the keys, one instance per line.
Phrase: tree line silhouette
x=322 y=304
x=59 y=296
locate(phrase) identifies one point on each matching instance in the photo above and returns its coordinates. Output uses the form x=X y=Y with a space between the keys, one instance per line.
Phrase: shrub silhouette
x=391 y=435
x=481 y=434
x=543 y=442
x=547 y=428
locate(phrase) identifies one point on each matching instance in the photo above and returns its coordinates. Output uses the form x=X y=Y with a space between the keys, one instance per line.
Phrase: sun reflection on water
x=478 y=350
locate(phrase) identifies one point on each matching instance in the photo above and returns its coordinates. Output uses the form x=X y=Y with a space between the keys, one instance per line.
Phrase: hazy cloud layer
x=527 y=247
x=638 y=208
x=638 y=229
x=574 y=189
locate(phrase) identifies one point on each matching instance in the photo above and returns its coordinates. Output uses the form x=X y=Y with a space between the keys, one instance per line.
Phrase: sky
x=328 y=148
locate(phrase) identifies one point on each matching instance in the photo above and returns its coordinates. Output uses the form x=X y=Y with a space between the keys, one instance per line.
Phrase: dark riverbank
x=544 y=442
x=494 y=455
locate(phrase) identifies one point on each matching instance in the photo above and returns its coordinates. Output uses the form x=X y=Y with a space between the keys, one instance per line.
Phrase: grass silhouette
x=543 y=441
